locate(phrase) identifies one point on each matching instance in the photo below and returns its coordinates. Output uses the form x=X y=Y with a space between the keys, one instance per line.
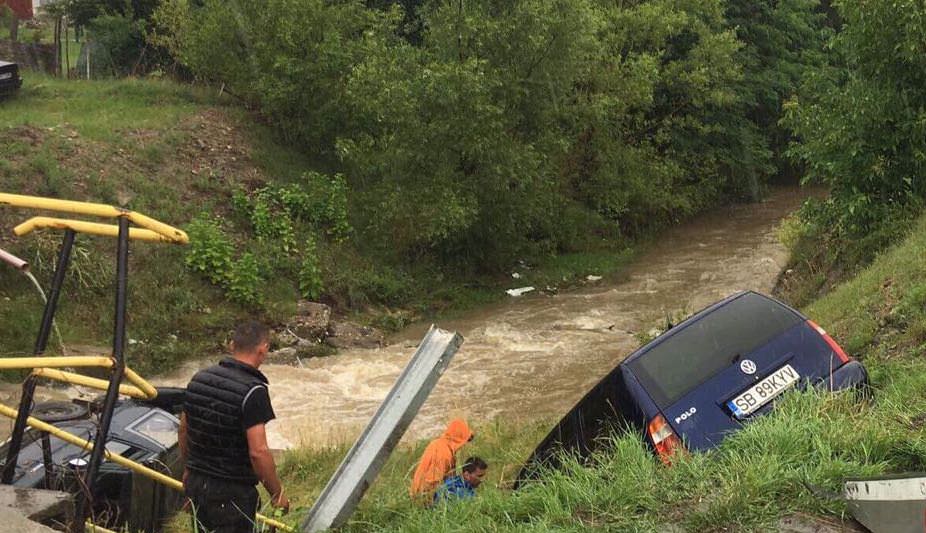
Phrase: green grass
x=101 y=110
x=881 y=313
x=779 y=464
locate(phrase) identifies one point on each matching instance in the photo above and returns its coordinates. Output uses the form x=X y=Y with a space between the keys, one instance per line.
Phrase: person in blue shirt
x=463 y=486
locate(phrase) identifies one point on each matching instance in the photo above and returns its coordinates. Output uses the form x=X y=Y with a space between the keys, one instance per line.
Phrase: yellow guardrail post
x=140 y=382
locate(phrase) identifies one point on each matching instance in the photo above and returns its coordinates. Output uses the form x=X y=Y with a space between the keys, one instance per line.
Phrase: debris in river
x=519 y=291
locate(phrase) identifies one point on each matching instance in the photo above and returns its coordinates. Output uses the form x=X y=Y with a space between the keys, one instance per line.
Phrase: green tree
x=782 y=41
x=291 y=58
x=861 y=123
x=663 y=131
x=458 y=138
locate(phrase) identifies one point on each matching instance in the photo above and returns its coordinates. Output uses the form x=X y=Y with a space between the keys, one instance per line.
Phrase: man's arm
x=264 y=466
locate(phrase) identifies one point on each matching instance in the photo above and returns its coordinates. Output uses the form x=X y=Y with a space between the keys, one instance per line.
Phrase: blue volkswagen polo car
x=704 y=378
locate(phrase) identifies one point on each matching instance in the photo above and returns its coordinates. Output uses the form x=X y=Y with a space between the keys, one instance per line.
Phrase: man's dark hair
x=473 y=464
x=249 y=335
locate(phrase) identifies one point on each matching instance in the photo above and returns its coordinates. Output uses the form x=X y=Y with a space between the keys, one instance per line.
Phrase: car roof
x=5 y=63
x=694 y=318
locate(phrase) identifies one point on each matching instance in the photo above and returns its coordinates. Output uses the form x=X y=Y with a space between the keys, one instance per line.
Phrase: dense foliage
x=477 y=132
x=861 y=121
x=860 y=129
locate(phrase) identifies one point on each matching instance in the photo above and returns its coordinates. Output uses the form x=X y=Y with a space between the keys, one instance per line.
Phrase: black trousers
x=221 y=506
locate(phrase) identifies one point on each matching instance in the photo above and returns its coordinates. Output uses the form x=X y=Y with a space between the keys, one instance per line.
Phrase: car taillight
x=829 y=340
x=664 y=439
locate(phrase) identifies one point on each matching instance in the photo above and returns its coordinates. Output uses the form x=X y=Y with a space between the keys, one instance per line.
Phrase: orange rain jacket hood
x=438 y=460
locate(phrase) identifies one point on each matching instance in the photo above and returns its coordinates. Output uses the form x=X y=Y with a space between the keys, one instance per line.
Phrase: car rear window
x=692 y=355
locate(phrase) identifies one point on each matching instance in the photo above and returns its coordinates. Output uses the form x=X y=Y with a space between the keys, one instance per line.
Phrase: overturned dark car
x=145 y=432
x=10 y=81
x=703 y=379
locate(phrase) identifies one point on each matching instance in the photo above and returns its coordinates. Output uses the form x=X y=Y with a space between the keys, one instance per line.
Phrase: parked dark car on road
x=145 y=432
x=10 y=81
x=704 y=378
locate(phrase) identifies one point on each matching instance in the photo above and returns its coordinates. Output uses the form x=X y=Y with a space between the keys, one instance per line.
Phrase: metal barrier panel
x=367 y=456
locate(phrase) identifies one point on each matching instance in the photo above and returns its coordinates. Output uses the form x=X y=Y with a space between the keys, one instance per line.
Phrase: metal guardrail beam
x=10 y=363
x=91 y=228
x=170 y=233
x=87 y=381
x=363 y=462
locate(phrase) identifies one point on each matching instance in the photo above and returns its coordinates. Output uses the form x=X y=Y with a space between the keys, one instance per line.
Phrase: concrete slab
x=13 y=520
x=34 y=504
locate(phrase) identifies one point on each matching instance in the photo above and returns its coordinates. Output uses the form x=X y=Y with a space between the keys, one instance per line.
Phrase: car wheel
x=59 y=411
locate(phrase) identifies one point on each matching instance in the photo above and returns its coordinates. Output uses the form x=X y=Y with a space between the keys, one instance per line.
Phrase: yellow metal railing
x=118 y=459
x=12 y=363
x=153 y=230
x=139 y=389
x=86 y=381
x=148 y=229
x=92 y=228
x=45 y=367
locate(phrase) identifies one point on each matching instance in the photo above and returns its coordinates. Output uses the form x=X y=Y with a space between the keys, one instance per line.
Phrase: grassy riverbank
x=781 y=465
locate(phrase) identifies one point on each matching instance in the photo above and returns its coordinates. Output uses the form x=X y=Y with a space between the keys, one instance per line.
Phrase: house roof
x=22 y=8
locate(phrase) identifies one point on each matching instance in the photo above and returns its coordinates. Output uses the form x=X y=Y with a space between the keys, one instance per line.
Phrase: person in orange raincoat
x=439 y=460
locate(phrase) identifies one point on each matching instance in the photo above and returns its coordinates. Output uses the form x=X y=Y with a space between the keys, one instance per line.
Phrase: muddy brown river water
x=534 y=356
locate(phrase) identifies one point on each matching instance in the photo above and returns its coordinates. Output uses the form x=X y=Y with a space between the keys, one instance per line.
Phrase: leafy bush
x=264 y=50
x=243 y=280
x=276 y=215
x=310 y=275
x=211 y=254
x=120 y=41
x=210 y=251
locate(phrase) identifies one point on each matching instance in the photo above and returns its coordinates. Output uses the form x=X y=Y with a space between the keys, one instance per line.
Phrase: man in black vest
x=223 y=440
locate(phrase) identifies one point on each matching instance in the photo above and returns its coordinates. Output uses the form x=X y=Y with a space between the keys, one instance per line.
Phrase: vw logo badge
x=748 y=367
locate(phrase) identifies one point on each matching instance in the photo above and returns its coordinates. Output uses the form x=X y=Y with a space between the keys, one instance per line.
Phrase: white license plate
x=764 y=391
x=6 y=75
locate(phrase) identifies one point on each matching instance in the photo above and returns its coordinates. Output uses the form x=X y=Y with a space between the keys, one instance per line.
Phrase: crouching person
x=463 y=486
x=439 y=461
